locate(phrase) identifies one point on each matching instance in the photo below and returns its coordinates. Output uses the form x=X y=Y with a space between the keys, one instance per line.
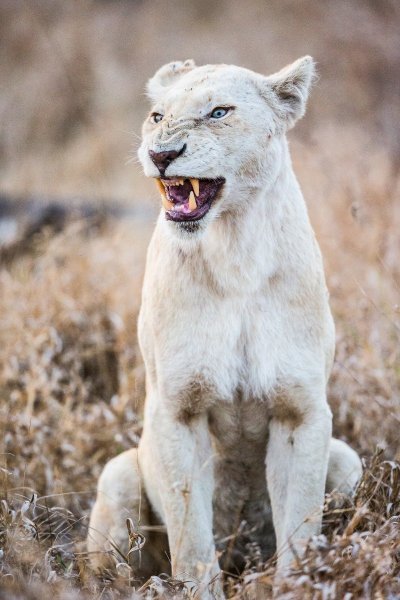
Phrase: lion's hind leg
x=121 y=496
x=344 y=468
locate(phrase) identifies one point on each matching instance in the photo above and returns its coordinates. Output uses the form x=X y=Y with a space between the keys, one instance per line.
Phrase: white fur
x=235 y=327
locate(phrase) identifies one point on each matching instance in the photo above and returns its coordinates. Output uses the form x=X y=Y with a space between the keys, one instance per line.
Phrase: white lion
x=235 y=331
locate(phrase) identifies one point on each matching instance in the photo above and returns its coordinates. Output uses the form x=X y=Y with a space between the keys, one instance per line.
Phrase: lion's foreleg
x=297 y=461
x=182 y=459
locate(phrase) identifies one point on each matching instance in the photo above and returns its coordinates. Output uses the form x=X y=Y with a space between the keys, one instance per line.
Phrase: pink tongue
x=182 y=207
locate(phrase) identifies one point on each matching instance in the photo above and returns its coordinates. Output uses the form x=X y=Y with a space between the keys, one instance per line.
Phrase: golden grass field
x=71 y=375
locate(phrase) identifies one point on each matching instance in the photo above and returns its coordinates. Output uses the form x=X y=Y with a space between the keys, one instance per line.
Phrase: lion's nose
x=163 y=159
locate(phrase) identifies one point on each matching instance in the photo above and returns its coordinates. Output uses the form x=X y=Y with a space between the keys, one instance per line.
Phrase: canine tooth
x=166 y=203
x=195 y=186
x=192 y=201
x=161 y=187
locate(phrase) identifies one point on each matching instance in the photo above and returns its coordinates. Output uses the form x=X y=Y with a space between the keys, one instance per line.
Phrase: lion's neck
x=244 y=249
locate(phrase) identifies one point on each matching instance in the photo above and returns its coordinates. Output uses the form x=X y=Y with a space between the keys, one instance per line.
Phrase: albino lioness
x=235 y=331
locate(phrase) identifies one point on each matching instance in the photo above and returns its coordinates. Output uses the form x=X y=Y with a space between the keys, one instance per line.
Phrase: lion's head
x=215 y=132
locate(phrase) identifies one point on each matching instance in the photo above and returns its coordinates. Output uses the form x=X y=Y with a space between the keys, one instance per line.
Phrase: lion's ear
x=288 y=89
x=166 y=76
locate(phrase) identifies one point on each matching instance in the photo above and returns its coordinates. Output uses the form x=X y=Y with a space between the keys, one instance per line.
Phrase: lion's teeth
x=161 y=187
x=192 y=202
x=195 y=186
x=166 y=203
x=175 y=182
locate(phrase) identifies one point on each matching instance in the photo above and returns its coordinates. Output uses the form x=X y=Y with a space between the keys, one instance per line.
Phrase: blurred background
x=73 y=76
x=76 y=213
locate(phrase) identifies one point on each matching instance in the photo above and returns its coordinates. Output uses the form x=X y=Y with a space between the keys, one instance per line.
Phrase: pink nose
x=163 y=159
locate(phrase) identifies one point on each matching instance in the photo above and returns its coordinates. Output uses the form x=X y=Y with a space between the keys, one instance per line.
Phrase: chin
x=188 y=233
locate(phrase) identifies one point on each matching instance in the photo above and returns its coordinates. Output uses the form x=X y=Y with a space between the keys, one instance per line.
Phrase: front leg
x=297 y=461
x=183 y=475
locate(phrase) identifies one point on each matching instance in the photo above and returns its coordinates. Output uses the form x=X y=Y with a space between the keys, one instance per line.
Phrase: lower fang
x=192 y=202
x=166 y=203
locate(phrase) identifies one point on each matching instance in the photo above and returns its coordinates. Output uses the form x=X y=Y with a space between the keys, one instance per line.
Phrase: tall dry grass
x=71 y=376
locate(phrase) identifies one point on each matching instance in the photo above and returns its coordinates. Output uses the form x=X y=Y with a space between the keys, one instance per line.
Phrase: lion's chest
x=203 y=354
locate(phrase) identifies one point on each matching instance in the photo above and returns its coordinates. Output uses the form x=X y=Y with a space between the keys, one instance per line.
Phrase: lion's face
x=213 y=134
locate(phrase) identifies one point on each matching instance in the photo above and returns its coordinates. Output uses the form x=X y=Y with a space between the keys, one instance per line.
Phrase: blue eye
x=156 y=117
x=219 y=112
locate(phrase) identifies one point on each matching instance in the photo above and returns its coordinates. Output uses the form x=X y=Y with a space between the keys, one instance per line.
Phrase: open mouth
x=188 y=199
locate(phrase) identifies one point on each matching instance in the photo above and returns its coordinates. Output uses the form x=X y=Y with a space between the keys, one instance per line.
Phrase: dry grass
x=71 y=376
